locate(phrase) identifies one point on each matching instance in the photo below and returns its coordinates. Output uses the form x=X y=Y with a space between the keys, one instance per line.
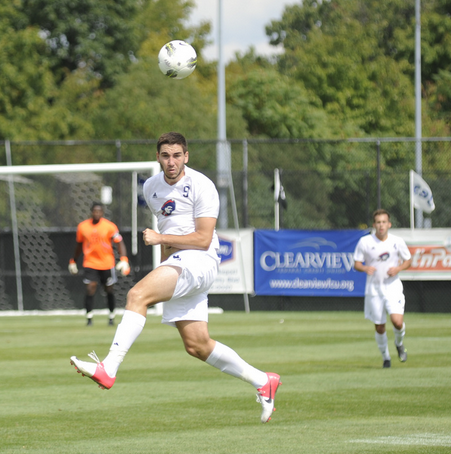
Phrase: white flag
x=422 y=194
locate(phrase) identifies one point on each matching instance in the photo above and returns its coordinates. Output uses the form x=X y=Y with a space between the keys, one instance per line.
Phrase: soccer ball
x=177 y=59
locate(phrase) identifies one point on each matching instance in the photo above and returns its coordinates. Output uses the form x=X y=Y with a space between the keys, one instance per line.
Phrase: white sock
x=382 y=343
x=228 y=361
x=399 y=334
x=126 y=333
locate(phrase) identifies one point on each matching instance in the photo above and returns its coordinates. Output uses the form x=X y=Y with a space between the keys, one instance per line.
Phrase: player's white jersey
x=176 y=207
x=382 y=255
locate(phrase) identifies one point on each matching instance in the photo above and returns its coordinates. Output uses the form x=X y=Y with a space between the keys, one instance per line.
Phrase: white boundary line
x=151 y=311
x=426 y=439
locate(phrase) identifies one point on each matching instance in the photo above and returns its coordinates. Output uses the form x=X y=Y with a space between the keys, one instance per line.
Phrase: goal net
x=41 y=207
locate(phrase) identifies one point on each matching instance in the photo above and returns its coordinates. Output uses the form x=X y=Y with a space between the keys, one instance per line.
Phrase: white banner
x=236 y=271
x=421 y=193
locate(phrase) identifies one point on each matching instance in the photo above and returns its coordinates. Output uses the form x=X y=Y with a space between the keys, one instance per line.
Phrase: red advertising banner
x=431 y=253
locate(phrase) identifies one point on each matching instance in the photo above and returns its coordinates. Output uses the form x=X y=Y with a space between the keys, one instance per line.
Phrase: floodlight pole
x=418 y=133
x=222 y=146
x=224 y=159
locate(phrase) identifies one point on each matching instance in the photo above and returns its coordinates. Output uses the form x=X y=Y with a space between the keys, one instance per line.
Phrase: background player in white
x=382 y=256
x=186 y=204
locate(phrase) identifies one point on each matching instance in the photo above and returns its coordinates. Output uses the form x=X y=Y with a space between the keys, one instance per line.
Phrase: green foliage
x=346 y=70
x=94 y=34
x=27 y=81
x=60 y=60
x=275 y=106
x=359 y=85
x=78 y=95
x=439 y=96
x=87 y=69
x=435 y=38
x=144 y=104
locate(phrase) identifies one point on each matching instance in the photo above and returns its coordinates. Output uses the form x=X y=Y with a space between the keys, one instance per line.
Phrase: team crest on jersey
x=168 y=207
x=383 y=257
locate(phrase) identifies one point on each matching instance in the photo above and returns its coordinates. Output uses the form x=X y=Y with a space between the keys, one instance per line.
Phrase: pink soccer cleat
x=94 y=371
x=266 y=395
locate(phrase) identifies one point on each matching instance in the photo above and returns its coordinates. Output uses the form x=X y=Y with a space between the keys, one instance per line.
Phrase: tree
x=27 y=81
x=336 y=50
x=93 y=34
x=58 y=60
x=276 y=106
x=144 y=103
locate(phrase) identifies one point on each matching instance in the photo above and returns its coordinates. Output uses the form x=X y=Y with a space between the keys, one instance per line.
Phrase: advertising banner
x=236 y=274
x=307 y=263
x=431 y=254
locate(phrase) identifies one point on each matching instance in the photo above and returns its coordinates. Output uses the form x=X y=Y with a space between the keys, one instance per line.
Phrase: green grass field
x=335 y=397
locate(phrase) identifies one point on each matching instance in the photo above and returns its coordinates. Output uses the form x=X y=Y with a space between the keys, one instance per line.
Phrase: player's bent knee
x=192 y=351
x=196 y=351
x=137 y=299
x=380 y=329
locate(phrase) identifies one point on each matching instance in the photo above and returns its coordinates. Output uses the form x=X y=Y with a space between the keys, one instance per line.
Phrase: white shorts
x=190 y=298
x=377 y=307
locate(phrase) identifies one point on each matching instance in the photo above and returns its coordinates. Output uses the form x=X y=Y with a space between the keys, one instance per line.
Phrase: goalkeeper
x=94 y=238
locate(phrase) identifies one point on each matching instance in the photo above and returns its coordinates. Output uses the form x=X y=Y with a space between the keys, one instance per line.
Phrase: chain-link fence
x=334 y=185
x=327 y=185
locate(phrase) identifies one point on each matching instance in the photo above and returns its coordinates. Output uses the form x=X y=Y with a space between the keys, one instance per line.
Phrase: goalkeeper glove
x=123 y=266
x=72 y=267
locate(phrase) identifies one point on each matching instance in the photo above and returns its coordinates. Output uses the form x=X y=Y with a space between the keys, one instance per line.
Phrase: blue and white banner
x=307 y=263
x=236 y=274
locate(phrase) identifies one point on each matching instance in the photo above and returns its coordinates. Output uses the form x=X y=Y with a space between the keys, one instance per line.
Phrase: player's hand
x=393 y=271
x=370 y=270
x=151 y=238
x=123 y=266
x=72 y=267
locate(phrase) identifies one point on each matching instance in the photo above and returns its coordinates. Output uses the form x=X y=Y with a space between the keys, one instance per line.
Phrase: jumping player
x=94 y=238
x=186 y=204
x=382 y=256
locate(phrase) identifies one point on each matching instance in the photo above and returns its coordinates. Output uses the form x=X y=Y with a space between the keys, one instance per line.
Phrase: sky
x=243 y=24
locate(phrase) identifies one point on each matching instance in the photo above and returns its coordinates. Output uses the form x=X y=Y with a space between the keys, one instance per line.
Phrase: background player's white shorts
x=190 y=298
x=377 y=307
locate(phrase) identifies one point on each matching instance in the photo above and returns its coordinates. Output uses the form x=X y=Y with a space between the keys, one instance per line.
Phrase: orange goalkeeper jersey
x=97 y=243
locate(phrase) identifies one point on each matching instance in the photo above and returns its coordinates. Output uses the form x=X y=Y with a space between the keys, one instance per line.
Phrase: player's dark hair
x=96 y=204
x=379 y=212
x=172 y=138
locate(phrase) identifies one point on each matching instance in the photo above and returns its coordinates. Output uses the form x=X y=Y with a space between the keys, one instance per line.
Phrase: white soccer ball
x=177 y=59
